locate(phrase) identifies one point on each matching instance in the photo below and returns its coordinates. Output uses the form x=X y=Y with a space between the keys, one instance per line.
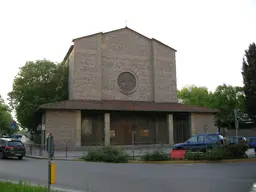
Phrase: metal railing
x=66 y=152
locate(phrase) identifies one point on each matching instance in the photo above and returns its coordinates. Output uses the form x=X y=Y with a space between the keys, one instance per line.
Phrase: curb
x=194 y=162
x=59 y=159
x=163 y=162
x=56 y=189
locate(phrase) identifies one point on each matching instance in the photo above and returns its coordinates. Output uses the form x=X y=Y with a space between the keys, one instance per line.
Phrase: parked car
x=252 y=143
x=11 y=148
x=231 y=140
x=17 y=136
x=201 y=142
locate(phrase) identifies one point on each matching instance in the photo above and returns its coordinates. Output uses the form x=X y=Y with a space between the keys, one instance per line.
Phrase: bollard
x=52 y=172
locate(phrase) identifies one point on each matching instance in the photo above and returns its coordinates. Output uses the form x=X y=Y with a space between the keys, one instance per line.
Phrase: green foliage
x=156 y=155
x=249 y=78
x=195 y=96
x=236 y=151
x=5 y=118
x=20 y=187
x=106 y=154
x=37 y=83
x=226 y=98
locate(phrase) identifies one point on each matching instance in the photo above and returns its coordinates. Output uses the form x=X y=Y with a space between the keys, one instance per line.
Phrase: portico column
x=107 y=128
x=170 y=128
x=78 y=128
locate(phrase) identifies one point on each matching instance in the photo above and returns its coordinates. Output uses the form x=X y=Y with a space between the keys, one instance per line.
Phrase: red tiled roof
x=125 y=106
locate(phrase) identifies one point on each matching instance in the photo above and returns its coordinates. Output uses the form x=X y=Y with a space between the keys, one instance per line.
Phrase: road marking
x=53 y=188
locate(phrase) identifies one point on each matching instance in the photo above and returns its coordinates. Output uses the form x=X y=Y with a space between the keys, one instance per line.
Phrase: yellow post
x=53 y=173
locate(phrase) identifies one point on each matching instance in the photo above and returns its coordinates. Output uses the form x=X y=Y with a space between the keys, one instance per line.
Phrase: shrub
x=156 y=155
x=190 y=155
x=236 y=151
x=106 y=154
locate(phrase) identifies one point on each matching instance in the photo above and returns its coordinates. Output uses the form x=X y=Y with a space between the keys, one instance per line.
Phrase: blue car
x=201 y=142
x=252 y=143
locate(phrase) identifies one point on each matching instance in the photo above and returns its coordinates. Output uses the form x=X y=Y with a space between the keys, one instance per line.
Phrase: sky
x=210 y=36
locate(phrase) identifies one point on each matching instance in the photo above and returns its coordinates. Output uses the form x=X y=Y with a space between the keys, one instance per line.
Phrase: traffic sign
x=13 y=125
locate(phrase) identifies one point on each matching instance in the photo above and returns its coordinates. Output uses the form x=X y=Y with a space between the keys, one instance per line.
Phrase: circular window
x=126 y=82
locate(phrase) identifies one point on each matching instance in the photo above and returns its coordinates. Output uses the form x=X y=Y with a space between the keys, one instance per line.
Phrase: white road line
x=53 y=188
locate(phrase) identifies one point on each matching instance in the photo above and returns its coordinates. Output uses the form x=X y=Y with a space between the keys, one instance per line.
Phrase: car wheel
x=20 y=158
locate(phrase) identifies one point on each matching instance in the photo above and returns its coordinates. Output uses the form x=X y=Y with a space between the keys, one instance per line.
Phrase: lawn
x=20 y=187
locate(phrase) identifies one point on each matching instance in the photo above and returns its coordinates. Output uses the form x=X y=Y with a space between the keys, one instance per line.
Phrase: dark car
x=11 y=148
x=231 y=140
x=201 y=142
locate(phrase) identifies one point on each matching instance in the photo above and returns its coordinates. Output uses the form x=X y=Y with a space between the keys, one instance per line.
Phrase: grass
x=20 y=187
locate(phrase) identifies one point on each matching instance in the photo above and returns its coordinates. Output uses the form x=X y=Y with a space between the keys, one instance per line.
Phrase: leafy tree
x=195 y=96
x=5 y=117
x=249 y=78
x=226 y=98
x=37 y=83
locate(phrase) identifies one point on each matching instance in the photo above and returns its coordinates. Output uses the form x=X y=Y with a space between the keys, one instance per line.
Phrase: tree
x=5 y=117
x=226 y=98
x=195 y=96
x=249 y=78
x=37 y=83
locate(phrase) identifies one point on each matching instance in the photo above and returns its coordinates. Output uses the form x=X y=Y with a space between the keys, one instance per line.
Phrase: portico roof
x=114 y=105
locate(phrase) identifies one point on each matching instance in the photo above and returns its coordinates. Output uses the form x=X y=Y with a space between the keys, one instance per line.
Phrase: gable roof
x=125 y=28
x=113 y=105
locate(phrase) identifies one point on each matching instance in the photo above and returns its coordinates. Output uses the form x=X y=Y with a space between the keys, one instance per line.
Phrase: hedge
x=237 y=151
x=106 y=154
x=156 y=155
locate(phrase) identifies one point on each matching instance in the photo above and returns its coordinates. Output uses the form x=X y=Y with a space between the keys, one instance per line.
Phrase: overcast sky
x=210 y=36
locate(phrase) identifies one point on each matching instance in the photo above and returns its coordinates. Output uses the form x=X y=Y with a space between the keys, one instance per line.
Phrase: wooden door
x=127 y=132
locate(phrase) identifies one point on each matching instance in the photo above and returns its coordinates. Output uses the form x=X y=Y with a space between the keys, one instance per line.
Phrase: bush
x=156 y=155
x=20 y=187
x=106 y=154
x=236 y=151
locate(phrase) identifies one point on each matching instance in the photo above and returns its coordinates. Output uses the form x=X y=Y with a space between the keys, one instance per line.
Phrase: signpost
x=236 y=124
x=133 y=135
x=205 y=130
x=51 y=164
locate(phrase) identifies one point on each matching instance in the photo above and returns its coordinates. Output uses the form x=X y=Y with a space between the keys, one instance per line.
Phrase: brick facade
x=97 y=61
x=62 y=125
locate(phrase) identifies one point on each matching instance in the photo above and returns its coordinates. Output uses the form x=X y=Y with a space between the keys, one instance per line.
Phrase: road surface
x=101 y=177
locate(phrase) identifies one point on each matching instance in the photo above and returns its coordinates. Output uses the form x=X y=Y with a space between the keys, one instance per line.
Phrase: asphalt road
x=100 y=177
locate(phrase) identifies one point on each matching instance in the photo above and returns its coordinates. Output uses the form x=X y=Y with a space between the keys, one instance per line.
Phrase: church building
x=122 y=91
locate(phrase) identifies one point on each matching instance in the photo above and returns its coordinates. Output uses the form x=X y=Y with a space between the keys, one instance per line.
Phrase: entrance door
x=126 y=126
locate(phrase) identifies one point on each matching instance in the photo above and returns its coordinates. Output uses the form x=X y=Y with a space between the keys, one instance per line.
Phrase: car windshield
x=14 y=143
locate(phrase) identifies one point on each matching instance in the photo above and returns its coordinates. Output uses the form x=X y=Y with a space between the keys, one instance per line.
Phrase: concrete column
x=170 y=128
x=107 y=128
x=78 y=128
x=193 y=124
